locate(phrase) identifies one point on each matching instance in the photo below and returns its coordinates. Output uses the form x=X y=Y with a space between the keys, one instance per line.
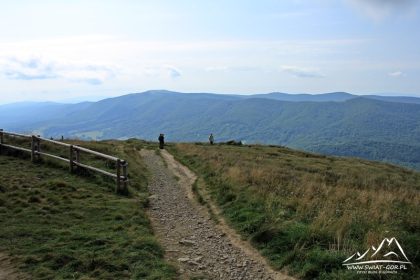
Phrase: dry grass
x=341 y=205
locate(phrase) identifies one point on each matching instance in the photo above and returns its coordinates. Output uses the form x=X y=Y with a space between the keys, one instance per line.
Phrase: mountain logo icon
x=388 y=251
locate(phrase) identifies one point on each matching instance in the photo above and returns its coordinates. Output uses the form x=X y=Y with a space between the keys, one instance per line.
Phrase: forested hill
x=371 y=127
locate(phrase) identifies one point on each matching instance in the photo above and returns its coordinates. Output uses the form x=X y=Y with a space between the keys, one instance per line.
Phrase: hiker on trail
x=211 y=139
x=161 y=141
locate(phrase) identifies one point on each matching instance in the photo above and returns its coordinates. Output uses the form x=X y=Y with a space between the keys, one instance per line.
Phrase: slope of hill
x=400 y=99
x=28 y=113
x=58 y=225
x=308 y=213
x=333 y=96
x=355 y=126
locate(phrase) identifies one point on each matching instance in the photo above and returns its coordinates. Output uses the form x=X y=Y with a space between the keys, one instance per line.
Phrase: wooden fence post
x=71 y=158
x=38 y=147
x=117 y=190
x=124 y=171
x=33 y=143
x=1 y=139
x=77 y=156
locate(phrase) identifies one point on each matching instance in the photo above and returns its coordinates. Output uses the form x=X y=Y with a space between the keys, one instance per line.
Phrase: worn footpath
x=201 y=248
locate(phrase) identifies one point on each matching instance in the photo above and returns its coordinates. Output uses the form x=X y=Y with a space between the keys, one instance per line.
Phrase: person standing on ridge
x=211 y=139
x=161 y=141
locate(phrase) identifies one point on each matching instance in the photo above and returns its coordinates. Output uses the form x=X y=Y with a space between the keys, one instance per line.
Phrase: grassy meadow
x=305 y=212
x=58 y=225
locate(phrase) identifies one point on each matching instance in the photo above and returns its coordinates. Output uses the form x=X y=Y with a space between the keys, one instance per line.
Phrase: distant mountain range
x=373 y=127
x=334 y=96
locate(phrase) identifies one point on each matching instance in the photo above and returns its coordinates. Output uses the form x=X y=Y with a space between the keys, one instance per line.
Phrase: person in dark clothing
x=211 y=139
x=161 y=141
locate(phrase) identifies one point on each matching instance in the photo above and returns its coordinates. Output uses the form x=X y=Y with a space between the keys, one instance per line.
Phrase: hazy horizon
x=81 y=50
x=99 y=98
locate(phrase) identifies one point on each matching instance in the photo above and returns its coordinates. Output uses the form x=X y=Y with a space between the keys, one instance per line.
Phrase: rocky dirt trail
x=199 y=247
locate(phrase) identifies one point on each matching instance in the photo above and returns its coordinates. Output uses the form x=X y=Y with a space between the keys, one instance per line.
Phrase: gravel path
x=192 y=241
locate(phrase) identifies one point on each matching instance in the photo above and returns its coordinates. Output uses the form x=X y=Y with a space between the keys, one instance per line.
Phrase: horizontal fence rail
x=73 y=159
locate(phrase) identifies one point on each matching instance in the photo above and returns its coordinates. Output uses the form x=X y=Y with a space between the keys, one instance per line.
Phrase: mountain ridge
x=295 y=97
x=360 y=127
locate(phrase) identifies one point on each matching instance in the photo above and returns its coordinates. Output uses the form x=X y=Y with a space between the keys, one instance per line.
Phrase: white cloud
x=302 y=72
x=396 y=74
x=38 y=68
x=190 y=65
x=172 y=71
x=27 y=69
x=165 y=70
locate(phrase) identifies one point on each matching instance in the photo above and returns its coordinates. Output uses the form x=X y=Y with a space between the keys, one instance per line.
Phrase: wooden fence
x=73 y=157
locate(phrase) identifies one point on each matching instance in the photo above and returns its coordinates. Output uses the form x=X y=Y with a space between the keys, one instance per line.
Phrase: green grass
x=58 y=225
x=305 y=212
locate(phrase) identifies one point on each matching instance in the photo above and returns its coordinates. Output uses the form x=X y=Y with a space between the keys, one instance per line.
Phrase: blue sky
x=85 y=50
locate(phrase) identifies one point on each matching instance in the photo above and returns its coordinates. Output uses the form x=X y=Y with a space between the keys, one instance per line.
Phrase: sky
x=70 y=51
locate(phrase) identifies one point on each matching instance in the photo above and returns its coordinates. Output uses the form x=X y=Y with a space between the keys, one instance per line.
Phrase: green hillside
x=305 y=212
x=58 y=225
x=386 y=130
